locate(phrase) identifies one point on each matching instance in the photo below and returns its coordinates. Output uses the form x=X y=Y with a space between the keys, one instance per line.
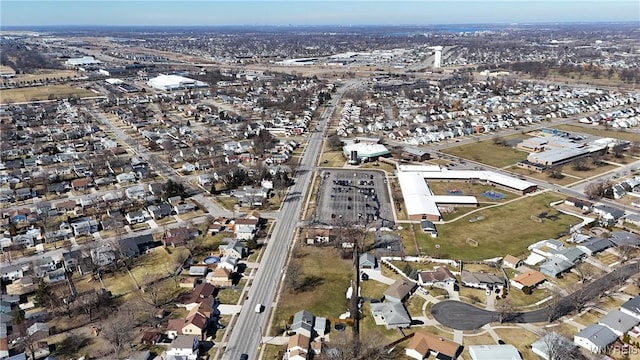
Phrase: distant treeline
x=24 y=60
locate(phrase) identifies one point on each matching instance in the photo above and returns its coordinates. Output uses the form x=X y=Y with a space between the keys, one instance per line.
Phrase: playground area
x=493 y=195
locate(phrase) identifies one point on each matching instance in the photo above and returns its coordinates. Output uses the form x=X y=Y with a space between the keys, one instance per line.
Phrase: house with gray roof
x=595 y=338
x=391 y=314
x=595 y=245
x=234 y=248
x=494 y=352
x=399 y=290
x=618 y=322
x=481 y=280
x=367 y=261
x=632 y=307
x=552 y=344
x=303 y=323
x=572 y=255
x=555 y=266
x=624 y=238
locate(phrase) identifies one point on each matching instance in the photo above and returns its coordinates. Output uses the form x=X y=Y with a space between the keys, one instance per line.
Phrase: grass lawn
x=487 y=152
x=593 y=171
x=481 y=339
x=600 y=131
x=520 y=299
x=521 y=339
x=505 y=229
x=588 y=318
x=378 y=165
x=468 y=188
x=566 y=180
x=477 y=297
x=229 y=296
x=372 y=289
x=414 y=306
x=42 y=93
x=273 y=352
x=607 y=258
x=408 y=240
x=332 y=159
x=325 y=298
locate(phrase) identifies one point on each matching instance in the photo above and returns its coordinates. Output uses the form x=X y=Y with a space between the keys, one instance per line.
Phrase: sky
x=311 y=12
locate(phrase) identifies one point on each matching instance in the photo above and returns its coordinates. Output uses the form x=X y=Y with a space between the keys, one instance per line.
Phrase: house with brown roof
x=440 y=276
x=201 y=293
x=298 y=345
x=423 y=344
x=80 y=184
x=512 y=262
x=399 y=291
x=220 y=277
x=530 y=279
x=179 y=236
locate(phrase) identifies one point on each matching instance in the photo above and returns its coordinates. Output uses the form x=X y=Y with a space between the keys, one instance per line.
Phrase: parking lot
x=354 y=197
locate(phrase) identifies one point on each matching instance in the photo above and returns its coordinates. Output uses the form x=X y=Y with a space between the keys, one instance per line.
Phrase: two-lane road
x=246 y=334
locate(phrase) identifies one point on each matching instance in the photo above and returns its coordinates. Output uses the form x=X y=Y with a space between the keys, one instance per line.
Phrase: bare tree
x=292 y=279
x=559 y=348
x=553 y=309
x=118 y=331
x=505 y=310
x=625 y=252
x=585 y=271
x=578 y=297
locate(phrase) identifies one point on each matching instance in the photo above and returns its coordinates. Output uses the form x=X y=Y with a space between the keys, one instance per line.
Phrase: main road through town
x=246 y=334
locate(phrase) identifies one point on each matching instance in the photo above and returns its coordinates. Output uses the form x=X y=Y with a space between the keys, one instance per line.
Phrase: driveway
x=462 y=316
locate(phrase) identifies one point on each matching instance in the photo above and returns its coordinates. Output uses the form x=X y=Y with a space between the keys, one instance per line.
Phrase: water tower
x=437 y=56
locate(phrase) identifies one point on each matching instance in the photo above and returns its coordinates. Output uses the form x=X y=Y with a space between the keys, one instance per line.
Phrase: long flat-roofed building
x=174 y=82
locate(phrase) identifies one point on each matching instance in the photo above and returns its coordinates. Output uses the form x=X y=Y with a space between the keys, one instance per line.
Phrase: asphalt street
x=462 y=316
x=246 y=334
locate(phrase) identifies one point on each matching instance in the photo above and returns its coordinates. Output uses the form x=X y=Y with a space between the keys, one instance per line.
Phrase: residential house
x=183 y=347
x=512 y=262
x=303 y=324
x=494 y=352
x=632 y=307
x=367 y=261
x=184 y=207
x=529 y=279
x=555 y=266
x=298 y=346
x=624 y=238
x=608 y=214
x=572 y=255
x=229 y=263
x=127 y=177
x=399 y=291
x=594 y=246
x=595 y=338
x=159 y=211
x=11 y=272
x=198 y=270
x=423 y=343
x=481 y=280
x=583 y=205
x=179 y=236
x=234 y=248
x=134 y=246
x=135 y=217
x=220 y=277
x=393 y=315
x=618 y=322
x=135 y=192
x=203 y=292
x=541 y=346
x=42 y=266
x=439 y=277
x=38 y=331
x=245 y=229
x=103 y=255
x=80 y=184
x=71 y=259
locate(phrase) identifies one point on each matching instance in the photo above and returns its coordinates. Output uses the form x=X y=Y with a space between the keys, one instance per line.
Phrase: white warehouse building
x=174 y=82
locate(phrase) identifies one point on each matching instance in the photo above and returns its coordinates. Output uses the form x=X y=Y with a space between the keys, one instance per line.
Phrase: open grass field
x=326 y=297
x=332 y=159
x=568 y=169
x=408 y=240
x=520 y=299
x=566 y=180
x=44 y=74
x=505 y=230
x=372 y=289
x=42 y=93
x=469 y=189
x=601 y=131
x=587 y=318
x=487 y=152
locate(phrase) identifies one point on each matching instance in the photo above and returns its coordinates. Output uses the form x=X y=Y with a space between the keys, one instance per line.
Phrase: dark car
x=244 y=357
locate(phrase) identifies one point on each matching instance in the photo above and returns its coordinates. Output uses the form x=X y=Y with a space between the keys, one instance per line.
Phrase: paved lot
x=354 y=197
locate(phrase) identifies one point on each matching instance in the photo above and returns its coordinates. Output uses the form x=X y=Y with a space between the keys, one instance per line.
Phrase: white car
x=259 y=308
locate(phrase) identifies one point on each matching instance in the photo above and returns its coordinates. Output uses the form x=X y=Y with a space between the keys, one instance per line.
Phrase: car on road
x=259 y=308
x=244 y=357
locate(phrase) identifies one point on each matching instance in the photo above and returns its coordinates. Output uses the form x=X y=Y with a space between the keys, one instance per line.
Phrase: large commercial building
x=421 y=203
x=174 y=82
x=82 y=61
x=363 y=152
